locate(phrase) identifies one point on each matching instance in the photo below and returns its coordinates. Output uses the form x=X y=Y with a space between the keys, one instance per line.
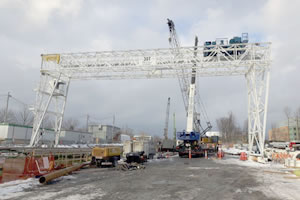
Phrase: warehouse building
x=104 y=133
x=19 y=134
x=286 y=131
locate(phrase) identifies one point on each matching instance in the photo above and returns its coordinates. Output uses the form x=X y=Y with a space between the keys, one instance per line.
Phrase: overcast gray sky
x=29 y=28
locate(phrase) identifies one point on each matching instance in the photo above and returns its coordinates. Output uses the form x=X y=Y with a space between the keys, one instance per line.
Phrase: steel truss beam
x=250 y=59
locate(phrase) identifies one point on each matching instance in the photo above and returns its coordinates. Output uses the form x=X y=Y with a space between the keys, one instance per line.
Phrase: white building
x=75 y=137
x=104 y=133
x=19 y=134
x=213 y=133
x=124 y=137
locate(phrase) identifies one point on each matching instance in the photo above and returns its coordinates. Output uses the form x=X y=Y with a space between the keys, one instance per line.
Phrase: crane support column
x=258 y=91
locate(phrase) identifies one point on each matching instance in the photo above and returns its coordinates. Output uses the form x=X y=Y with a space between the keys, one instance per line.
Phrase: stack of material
x=130 y=166
x=294 y=161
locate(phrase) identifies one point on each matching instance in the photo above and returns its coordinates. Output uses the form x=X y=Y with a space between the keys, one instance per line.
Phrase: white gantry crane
x=58 y=70
x=167 y=120
x=188 y=84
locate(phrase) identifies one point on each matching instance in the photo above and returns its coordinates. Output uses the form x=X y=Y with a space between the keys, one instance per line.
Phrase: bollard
x=206 y=154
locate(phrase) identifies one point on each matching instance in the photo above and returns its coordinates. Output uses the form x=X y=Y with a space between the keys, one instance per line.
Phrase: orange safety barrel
x=220 y=153
x=243 y=156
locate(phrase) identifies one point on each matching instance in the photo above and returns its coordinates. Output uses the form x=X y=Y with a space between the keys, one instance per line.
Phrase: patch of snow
x=276 y=186
x=233 y=151
x=14 y=189
x=86 y=192
x=248 y=163
x=96 y=194
x=67 y=177
x=199 y=168
x=238 y=190
x=271 y=178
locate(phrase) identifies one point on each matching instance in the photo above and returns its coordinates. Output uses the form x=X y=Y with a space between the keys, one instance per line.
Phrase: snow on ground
x=14 y=189
x=233 y=151
x=277 y=186
x=271 y=178
x=78 y=192
x=249 y=163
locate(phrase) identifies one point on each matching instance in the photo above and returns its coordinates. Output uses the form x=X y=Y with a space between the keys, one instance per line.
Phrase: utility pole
x=167 y=120
x=113 y=129
x=87 y=122
x=174 y=127
x=6 y=109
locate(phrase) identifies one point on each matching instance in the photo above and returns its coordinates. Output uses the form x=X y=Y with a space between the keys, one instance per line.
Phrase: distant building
x=213 y=133
x=19 y=134
x=75 y=137
x=286 y=131
x=104 y=133
x=124 y=137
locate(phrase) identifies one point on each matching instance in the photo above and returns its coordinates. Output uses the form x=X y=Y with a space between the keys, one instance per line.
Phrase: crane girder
x=154 y=63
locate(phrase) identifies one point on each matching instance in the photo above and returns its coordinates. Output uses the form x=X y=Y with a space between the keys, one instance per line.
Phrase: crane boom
x=191 y=107
x=193 y=114
x=167 y=120
x=183 y=80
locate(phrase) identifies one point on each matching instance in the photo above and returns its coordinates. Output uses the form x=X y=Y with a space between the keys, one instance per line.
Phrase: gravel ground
x=174 y=178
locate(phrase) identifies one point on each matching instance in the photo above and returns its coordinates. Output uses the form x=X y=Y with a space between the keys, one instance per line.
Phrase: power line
x=19 y=101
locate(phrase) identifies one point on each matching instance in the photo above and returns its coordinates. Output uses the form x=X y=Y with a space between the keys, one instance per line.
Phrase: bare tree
x=287 y=112
x=297 y=116
x=25 y=117
x=228 y=128
x=274 y=132
x=11 y=116
x=70 y=124
x=245 y=130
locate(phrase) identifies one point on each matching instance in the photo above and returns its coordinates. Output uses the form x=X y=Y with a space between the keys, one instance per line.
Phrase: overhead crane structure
x=57 y=70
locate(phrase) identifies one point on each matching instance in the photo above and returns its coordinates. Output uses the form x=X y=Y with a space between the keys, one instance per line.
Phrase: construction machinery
x=106 y=156
x=210 y=144
x=188 y=141
x=184 y=79
x=209 y=46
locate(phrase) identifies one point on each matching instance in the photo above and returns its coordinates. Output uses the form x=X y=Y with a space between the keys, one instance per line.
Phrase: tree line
x=230 y=131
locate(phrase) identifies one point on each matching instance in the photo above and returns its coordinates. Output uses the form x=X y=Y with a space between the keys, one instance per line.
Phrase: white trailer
x=138 y=145
x=127 y=147
x=146 y=146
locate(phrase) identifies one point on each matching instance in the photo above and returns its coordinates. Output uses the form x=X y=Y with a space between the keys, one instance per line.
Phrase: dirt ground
x=174 y=178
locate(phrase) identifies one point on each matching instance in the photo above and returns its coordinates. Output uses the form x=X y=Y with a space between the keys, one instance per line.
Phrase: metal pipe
x=56 y=174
